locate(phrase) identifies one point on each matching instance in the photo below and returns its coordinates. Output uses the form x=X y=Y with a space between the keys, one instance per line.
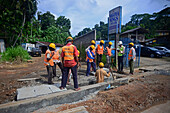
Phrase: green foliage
x=15 y=54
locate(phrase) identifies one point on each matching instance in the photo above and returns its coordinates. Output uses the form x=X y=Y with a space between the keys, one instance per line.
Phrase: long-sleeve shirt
x=100 y=73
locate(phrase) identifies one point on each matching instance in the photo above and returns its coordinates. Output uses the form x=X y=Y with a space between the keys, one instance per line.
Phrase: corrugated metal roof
x=138 y=28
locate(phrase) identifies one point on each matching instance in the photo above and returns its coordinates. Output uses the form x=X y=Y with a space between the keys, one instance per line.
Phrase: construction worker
x=109 y=53
x=69 y=74
x=100 y=73
x=56 y=60
x=99 y=51
x=70 y=61
x=48 y=61
x=90 y=60
x=121 y=51
x=131 y=57
x=94 y=50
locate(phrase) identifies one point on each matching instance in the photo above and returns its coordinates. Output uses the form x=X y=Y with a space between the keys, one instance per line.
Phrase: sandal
x=61 y=88
x=77 y=89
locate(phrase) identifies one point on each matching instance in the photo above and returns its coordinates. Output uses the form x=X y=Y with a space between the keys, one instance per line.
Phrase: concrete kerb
x=68 y=96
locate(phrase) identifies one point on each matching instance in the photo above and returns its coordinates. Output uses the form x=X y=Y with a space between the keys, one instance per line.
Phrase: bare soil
x=9 y=73
x=134 y=97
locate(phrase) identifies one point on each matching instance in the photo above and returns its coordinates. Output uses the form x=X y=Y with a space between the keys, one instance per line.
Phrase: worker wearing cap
x=70 y=61
x=100 y=73
x=131 y=57
x=56 y=60
x=121 y=51
x=108 y=50
x=48 y=61
x=90 y=60
x=99 y=51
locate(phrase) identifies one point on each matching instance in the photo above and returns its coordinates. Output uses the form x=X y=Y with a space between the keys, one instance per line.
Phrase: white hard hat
x=120 y=43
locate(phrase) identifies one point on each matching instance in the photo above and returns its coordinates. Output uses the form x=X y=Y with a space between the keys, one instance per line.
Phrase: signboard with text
x=115 y=19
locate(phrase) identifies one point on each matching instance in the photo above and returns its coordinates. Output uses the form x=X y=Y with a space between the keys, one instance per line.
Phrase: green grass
x=15 y=54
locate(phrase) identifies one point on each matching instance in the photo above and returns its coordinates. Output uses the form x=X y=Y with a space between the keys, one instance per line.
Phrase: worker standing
x=70 y=61
x=131 y=57
x=56 y=60
x=100 y=73
x=121 y=51
x=48 y=61
x=90 y=60
x=108 y=53
x=99 y=51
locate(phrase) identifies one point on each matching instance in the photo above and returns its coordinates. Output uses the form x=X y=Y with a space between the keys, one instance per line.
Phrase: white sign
x=115 y=18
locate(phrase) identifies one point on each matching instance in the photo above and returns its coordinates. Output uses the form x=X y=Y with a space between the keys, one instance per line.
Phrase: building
x=136 y=35
x=44 y=45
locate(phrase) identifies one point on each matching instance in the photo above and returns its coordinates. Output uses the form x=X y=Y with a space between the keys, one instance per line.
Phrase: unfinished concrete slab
x=34 y=91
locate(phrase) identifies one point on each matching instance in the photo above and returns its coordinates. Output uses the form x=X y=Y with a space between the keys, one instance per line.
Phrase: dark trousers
x=50 y=73
x=89 y=64
x=65 y=76
x=99 y=59
x=131 y=65
x=54 y=68
x=120 y=63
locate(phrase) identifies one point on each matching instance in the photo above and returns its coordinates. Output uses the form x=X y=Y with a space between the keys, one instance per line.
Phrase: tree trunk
x=21 y=30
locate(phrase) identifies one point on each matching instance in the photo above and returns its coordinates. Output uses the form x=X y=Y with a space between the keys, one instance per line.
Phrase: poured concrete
x=34 y=91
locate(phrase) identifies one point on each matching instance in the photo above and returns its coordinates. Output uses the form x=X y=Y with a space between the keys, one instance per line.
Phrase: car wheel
x=152 y=55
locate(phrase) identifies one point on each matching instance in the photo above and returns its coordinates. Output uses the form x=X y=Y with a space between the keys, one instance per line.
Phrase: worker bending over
x=70 y=61
x=90 y=60
x=131 y=57
x=48 y=61
x=99 y=51
x=100 y=73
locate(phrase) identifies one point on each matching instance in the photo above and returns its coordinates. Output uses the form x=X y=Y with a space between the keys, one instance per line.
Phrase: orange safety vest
x=99 y=49
x=109 y=51
x=48 y=62
x=56 y=56
x=93 y=51
x=68 y=52
x=131 y=55
x=90 y=60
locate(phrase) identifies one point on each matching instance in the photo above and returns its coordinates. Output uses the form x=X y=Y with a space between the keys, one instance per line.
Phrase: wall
x=85 y=39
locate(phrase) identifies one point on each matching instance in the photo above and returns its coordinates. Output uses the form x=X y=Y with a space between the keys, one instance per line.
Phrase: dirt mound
x=133 y=97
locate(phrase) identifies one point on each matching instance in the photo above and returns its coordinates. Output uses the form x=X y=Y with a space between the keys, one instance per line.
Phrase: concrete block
x=80 y=109
x=26 y=92
x=42 y=90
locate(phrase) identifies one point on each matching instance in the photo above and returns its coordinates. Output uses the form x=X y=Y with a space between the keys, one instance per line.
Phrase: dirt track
x=134 y=97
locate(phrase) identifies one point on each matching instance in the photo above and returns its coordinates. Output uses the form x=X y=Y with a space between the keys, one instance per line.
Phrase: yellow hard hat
x=93 y=42
x=101 y=64
x=110 y=43
x=92 y=46
x=131 y=43
x=52 y=45
x=69 y=38
x=102 y=41
x=78 y=52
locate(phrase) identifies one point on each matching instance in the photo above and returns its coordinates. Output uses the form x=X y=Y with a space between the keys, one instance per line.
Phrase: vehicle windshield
x=154 y=49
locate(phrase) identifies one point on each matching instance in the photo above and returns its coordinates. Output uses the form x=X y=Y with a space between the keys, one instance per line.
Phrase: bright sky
x=87 y=13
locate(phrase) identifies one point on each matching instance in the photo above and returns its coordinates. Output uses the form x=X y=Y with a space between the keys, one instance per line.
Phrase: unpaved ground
x=134 y=97
x=9 y=73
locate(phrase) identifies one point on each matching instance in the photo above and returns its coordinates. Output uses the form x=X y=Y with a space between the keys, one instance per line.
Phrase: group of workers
x=70 y=62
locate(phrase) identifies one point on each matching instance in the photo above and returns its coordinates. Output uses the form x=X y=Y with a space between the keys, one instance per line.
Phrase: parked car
x=151 y=52
x=35 y=52
x=164 y=49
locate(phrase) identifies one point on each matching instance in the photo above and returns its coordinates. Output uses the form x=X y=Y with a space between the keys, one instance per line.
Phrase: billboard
x=115 y=19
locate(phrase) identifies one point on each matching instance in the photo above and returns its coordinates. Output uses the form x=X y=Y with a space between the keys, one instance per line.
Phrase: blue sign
x=115 y=19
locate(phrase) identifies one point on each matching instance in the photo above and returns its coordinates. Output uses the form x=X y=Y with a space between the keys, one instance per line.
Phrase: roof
x=48 y=43
x=140 y=30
